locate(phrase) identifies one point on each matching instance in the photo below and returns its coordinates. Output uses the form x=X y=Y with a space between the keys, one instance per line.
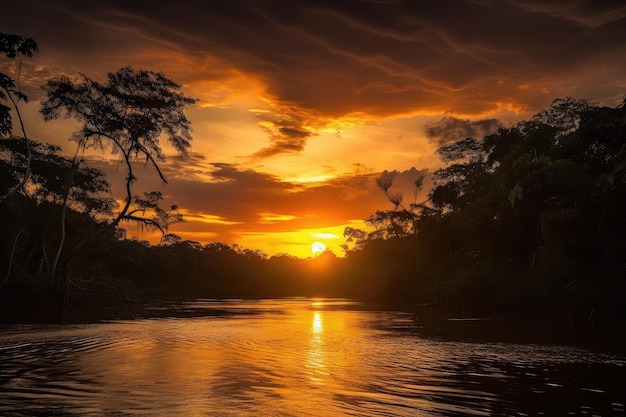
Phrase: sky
x=301 y=105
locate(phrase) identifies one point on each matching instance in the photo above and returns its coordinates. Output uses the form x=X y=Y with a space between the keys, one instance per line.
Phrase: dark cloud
x=280 y=144
x=244 y=197
x=246 y=181
x=326 y=59
x=337 y=58
x=279 y=147
x=294 y=133
x=286 y=129
x=588 y=13
x=451 y=129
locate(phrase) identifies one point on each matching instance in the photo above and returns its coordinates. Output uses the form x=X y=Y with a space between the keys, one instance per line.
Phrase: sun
x=318 y=247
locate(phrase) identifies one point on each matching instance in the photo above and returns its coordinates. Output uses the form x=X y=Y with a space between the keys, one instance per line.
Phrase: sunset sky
x=301 y=104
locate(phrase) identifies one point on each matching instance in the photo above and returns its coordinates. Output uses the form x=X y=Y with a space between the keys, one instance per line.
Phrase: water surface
x=291 y=357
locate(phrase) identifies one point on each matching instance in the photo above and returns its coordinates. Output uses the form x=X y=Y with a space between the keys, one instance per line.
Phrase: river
x=292 y=357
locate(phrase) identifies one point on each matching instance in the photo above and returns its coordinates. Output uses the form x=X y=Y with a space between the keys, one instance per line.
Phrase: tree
x=403 y=223
x=402 y=220
x=13 y=46
x=128 y=113
x=356 y=236
x=34 y=219
x=456 y=183
x=87 y=194
x=529 y=216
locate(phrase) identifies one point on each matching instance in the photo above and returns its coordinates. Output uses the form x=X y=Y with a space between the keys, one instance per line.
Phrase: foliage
x=89 y=192
x=13 y=46
x=402 y=220
x=525 y=218
x=129 y=112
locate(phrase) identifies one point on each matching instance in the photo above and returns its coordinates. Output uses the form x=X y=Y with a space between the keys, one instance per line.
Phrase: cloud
x=331 y=60
x=288 y=133
x=451 y=129
x=291 y=87
x=229 y=202
x=257 y=201
x=583 y=12
x=233 y=199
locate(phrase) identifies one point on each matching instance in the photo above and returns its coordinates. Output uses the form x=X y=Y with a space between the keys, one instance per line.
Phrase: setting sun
x=318 y=247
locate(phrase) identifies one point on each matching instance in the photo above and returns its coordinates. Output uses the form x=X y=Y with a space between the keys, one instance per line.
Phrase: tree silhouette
x=533 y=204
x=128 y=113
x=34 y=212
x=527 y=218
x=403 y=219
x=14 y=46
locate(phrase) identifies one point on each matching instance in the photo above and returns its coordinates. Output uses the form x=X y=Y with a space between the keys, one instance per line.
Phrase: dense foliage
x=526 y=218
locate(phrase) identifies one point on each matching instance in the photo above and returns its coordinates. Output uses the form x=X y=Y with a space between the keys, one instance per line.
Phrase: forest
x=527 y=219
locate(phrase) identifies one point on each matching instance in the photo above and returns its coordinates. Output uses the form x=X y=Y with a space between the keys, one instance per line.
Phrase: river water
x=292 y=357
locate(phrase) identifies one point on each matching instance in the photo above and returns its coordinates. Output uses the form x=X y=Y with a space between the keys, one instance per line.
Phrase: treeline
x=58 y=247
x=107 y=269
x=528 y=218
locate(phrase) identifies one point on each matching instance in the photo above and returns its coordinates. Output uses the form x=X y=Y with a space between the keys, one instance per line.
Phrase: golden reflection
x=296 y=361
x=317 y=303
x=317 y=322
x=316 y=361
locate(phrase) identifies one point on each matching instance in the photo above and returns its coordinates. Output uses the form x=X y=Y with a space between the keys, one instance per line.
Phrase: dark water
x=293 y=358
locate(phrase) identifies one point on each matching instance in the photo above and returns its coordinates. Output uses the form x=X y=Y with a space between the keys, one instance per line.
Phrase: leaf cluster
x=130 y=111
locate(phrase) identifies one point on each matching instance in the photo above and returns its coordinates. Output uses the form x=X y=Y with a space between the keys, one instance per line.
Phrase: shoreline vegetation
x=526 y=222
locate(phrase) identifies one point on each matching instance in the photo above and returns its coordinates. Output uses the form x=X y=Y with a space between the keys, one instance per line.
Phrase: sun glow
x=317 y=322
x=318 y=247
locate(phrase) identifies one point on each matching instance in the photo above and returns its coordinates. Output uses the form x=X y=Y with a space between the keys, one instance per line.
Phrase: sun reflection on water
x=315 y=363
x=318 y=303
x=317 y=322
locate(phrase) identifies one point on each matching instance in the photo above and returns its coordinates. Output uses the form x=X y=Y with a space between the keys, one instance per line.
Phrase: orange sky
x=302 y=104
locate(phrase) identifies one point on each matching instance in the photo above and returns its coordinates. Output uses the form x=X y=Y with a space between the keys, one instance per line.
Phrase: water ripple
x=291 y=358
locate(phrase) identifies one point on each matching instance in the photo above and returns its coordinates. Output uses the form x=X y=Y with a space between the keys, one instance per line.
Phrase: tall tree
x=128 y=114
x=15 y=46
